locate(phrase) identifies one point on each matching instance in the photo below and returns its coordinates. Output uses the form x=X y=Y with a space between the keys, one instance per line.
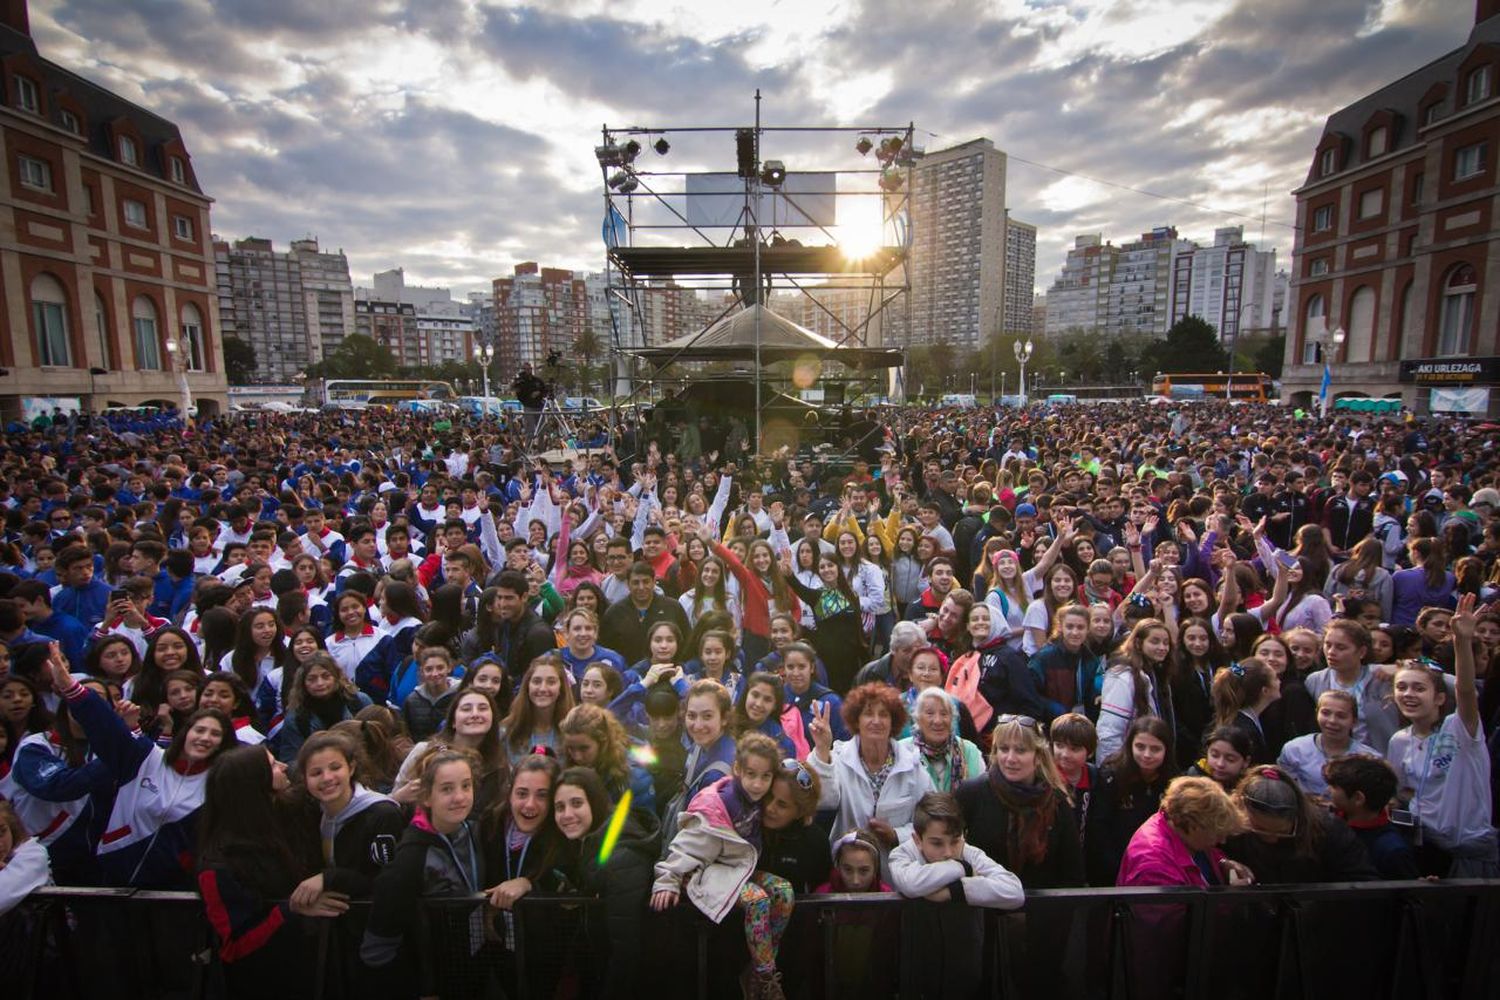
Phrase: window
x=1361 y=335
x=147 y=341
x=70 y=122
x=129 y=154
x=101 y=327
x=135 y=213
x=88 y=199
x=1469 y=161
x=179 y=173
x=1327 y=162
x=192 y=334
x=1376 y=145
x=1432 y=113
x=49 y=317
x=1456 y=317
x=1416 y=188
x=1318 y=267
x=36 y=174
x=182 y=227
x=1312 y=331
x=26 y=95
x=1370 y=203
x=1477 y=87
x=1322 y=218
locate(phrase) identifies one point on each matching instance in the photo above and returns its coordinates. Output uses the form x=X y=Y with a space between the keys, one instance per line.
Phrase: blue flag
x=1327 y=381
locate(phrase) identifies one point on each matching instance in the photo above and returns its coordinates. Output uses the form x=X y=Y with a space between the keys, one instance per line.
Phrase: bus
x=1248 y=387
x=349 y=393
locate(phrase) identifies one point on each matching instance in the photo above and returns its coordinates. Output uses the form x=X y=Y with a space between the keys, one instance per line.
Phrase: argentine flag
x=1323 y=389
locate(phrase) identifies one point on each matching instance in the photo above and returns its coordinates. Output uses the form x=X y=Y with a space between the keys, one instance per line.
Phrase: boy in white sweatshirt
x=945 y=878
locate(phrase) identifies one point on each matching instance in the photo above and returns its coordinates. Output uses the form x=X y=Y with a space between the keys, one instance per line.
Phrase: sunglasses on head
x=1024 y=721
x=798 y=772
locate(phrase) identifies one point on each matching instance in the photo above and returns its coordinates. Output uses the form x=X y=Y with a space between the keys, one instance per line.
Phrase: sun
x=860 y=230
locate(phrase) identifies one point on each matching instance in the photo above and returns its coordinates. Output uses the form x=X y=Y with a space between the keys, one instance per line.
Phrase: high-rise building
x=447 y=330
x=834 y=312
x=1079 y=298
x=544 y=309
x=392 y=325
x=391 y=286
x=262 y=302
x=1398 y=243
x=294 y=307
x=957 y=206
x=1139 y=297
x=1230 y=285
x=106 y=272
x=328 y=294
x=1020 y=275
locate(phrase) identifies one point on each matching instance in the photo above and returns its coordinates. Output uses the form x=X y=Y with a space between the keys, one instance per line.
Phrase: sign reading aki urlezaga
x=1451 y=371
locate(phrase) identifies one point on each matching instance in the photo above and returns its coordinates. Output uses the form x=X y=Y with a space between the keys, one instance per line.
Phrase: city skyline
x=307 y=121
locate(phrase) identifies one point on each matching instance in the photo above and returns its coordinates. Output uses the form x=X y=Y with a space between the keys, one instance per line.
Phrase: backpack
x=678 y=804
x=963 y=684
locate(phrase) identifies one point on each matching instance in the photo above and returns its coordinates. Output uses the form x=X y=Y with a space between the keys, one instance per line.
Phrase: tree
x=239 y=360
x=587 y=346
x=357 y=356
x=1190 y=346
x=1270 y=356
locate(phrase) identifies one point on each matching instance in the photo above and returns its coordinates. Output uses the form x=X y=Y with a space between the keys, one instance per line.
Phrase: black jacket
x=1114 y=816
x=623 y=627
x=1006 y=682
x=1338 y=857
x=623 y=883
x=988 y=820
x=800 y=854
x=519 y=642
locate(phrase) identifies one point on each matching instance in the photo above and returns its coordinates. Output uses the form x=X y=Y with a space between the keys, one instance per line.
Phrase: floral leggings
x=767 y=901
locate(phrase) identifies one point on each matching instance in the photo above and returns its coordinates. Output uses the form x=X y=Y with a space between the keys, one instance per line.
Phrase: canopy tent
x=1356 y=404
x=733 y=338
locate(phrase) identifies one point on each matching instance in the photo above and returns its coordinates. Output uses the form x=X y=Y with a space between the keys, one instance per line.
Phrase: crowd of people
x=324 y=668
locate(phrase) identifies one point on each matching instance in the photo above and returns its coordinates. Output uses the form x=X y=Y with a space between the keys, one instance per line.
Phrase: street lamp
x=1336 y=338
x=1023 y=349
x=484 y=353
x=177 y=349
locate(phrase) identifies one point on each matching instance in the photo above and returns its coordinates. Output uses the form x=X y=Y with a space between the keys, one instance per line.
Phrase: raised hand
x=822 y=732
x=1464 y=621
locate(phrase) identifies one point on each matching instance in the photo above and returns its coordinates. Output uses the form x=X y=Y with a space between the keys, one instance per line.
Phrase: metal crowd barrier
x=1415 y=940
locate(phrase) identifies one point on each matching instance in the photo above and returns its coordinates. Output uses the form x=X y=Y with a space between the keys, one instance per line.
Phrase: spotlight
x=629 y=184
x=630 y=151
x=619 y=177
x=891 y=180
x=773 y=173
x=608 y=155
x=864 y=145
x=662 y=146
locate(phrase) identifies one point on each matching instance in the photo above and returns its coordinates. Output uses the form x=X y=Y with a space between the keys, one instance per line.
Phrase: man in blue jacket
x=80 y=595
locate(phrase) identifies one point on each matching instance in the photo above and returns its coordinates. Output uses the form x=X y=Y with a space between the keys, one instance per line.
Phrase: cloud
x=453 y=136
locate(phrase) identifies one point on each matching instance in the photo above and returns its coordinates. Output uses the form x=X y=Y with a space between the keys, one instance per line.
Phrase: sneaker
x=769 y=984
x=749 y=983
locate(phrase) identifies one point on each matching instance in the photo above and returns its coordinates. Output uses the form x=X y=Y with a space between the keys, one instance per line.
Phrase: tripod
x=553 y=416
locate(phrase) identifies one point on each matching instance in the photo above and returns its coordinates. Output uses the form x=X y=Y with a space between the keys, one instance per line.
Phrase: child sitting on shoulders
x=944 y=939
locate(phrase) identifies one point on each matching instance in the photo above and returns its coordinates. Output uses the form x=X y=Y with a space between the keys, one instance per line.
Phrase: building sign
x=1451 y=371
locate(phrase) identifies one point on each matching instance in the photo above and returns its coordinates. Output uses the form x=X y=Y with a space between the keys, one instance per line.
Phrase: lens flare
x=616 y=824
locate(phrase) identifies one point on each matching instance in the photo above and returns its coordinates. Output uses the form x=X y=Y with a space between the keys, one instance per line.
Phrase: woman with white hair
x=947 y=756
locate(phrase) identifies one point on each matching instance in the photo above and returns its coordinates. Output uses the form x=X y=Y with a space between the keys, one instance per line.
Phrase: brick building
x=1398 y=241
x=106 y=270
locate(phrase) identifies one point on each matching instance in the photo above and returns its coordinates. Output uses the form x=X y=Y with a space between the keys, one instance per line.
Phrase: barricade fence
x=1415 y=940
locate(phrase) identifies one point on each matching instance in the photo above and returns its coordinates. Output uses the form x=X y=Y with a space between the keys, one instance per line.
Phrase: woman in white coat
x=873 y=780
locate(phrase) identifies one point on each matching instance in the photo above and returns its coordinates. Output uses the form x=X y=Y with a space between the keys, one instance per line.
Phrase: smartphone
x=1403 y=817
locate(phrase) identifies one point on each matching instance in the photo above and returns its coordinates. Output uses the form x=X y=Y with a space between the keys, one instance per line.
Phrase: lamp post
x=1002 y=385
x=484 y=353
x=179 y=351
x=1336 y=340
x=1023 y=349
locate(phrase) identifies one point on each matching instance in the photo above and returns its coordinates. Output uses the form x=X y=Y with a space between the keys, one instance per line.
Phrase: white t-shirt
x=1303 y=758
x=1037 y=617
x=1447 y=776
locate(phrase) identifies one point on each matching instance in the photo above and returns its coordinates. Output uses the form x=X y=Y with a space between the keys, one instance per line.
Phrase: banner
x=717 y=201
x=1475 y=402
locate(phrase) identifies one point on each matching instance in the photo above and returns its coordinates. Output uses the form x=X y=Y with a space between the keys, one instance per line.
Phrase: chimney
x=1483 y=9
x=13 y=15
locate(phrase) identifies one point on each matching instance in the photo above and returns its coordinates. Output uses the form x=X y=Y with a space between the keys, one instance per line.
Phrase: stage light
x=744 y=152
x=864 y=145
x=619 y=177
x=891 y=180
x=630 y=151
x=773 y=173
x=629 y=185
x=662 y=146
x=608 y=155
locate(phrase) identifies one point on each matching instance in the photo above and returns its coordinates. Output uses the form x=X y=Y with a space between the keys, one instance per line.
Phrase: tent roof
x=733 y=338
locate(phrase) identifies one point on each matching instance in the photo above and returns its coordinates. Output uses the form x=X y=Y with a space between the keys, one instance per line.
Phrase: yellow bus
x=1250 y=387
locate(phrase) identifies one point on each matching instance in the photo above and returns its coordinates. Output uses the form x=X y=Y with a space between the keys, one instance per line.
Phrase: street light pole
x=179 y=364
x=484 y=354
x=1336 y=338
x=1023 y=351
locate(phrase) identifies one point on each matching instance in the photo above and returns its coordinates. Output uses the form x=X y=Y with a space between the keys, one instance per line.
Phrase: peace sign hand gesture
x=822 y=732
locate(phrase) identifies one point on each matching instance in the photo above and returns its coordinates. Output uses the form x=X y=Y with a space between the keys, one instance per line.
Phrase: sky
x=455 y=137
